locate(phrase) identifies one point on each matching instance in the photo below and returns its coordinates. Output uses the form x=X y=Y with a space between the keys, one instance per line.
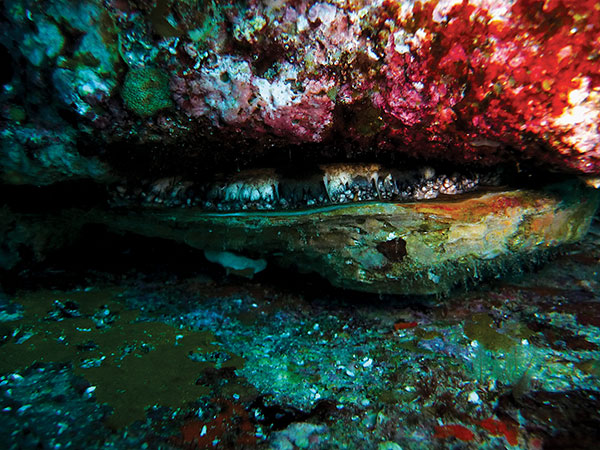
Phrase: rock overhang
x=464 y=82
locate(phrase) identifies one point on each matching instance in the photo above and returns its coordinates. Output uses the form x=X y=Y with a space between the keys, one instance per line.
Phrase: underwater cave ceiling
x=401 y=147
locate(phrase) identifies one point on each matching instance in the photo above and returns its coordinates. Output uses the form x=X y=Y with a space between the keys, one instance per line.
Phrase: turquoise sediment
x=426 y=247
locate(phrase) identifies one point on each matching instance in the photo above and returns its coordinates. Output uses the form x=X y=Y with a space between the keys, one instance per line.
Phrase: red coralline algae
x=405 y=325
x=453 y=431
x=482 y=79
x=498 y=428
x=493 y=426
x=524 y=76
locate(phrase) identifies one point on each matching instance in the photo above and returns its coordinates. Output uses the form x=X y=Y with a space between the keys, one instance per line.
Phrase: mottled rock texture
x=476 y=81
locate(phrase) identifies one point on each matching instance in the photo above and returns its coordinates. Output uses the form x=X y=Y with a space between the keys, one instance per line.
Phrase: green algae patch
x=39 y=303
x=132 y=365
x=146 y=91
x=158 y=19
x=590 y=367
x=427 y=334
x=481 y=328
x=144 y=364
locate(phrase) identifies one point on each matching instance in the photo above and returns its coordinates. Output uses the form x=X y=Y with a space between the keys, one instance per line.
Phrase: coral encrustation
x=476 y=81
x=480 y=77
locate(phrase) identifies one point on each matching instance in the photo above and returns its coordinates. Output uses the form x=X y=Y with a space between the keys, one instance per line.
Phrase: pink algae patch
x=491 y=79
x=453 y=431
x=498 y=428
x=405 y=325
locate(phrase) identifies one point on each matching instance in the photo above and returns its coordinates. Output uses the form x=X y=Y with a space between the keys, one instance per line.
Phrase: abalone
x=368 y=228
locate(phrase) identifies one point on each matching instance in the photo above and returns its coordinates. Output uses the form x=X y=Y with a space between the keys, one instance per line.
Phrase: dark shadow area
x=53 y=198
x=99 y=254
x=566 y=420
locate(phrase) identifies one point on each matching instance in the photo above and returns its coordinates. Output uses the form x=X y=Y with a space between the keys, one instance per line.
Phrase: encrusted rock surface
x=464 y=81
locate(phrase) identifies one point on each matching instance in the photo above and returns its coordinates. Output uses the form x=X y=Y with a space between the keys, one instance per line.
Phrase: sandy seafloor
x=140 y=344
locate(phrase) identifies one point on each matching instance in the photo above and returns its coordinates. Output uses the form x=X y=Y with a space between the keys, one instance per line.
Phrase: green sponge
x=146 y=91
